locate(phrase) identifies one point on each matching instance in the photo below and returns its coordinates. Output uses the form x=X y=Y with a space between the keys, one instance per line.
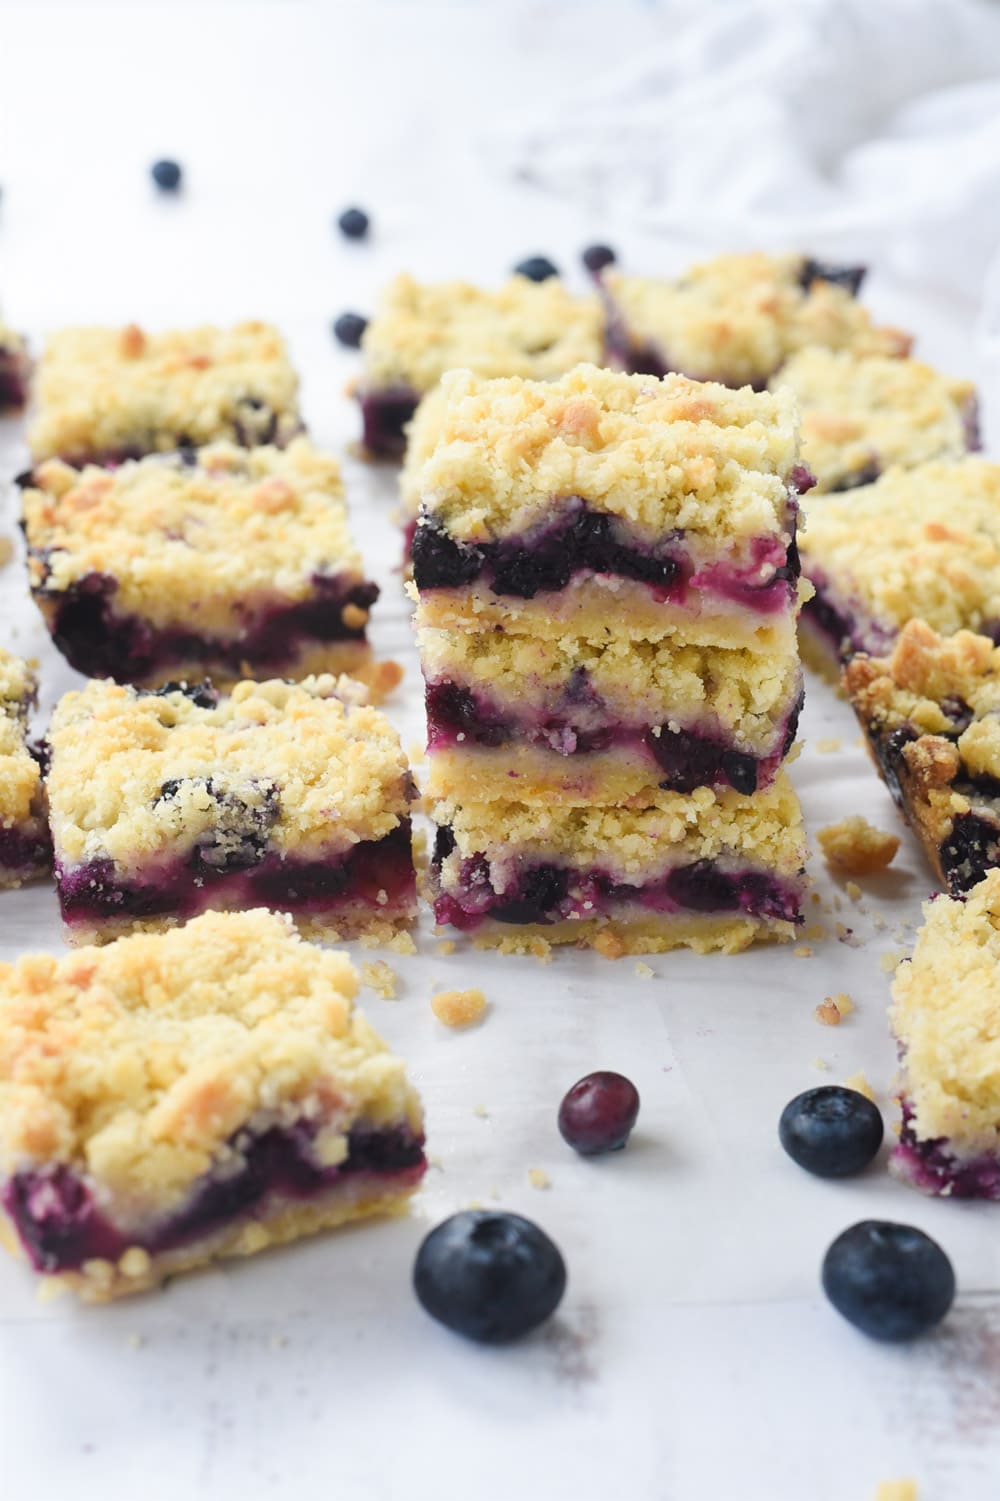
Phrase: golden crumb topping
x=946 y=1015
x=526 y=328
x=873 y=410
x=739 y=317
x=105 y=389
x=20 y=775
x=194 y=543
x=918 y=544
x=662 y=454
x=139 y=1064
x=854 y=847
x=422 y=436
x=922 y=672
x=137 y=776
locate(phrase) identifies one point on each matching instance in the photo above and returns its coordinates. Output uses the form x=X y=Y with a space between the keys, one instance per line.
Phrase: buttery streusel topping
x=20 y=775
x=526 y=328
x=193 y=542
x=138 y=1063
x=324 y=773
x=101 y=390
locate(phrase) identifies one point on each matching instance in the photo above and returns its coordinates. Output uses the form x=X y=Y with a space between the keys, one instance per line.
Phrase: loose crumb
x=6 y=551
x=380 y=978
x=459 y=1008
x=854 y=891
x=847 y=935
x=854 y=847
x=446 y=946
x=609 y=944
x=890 y=961
x=816 y=931
x=827 y=744
x=279 y=1341
x=879 y=923
x=803 y=951
x=896 y=1490
x=136 y=1341
x=833 y=1008
x=539 y=1178
x=859 y=1081
x=821 y=1064
x=481 y=1112
x=644 y=972
x=402 y=943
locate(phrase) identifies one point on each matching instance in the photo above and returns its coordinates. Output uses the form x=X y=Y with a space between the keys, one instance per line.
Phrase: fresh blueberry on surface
x=349 y=328
x=598 y=1113
x=831 y=1131
x=166 y=175
x=890 y=1281
x=536 y=268
x=489 y=1275
x=596 y=257
x=353 y=223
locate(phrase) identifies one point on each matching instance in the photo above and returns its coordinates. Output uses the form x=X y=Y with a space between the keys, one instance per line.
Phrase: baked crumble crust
x=20 y=774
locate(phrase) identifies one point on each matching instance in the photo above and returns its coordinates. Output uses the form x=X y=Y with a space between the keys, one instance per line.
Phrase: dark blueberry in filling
x=889 y=749
x=848 y=277
x=348 y=329
x=353 y=223
x=202 y=694
x=831 y=1131
x=890 y=1281
x=444 y=844
x=167 y=175
x=525 y=572
x=740 y=771
x=598 y=1113
x=536 y=268
x=971 y=849
x=958 y=711
x=441 y=563
x=703 y=887
x=596 y=257
x=457 y=708
x=541 y=892
x=489 y=1275
x=239 y=838
x=866 y=475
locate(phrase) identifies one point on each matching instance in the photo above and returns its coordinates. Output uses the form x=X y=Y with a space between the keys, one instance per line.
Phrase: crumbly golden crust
x=918 y=544
x=422 y=436
x=662 y=455
x=20 y=776
x=138 y=1064
x=618 y=937
x=105 y=389
x=946 y=1016
x=739 y=317
x=196 y=544
x=854 y=847
x=525 y=328
x=330 y=773
x=873 y=410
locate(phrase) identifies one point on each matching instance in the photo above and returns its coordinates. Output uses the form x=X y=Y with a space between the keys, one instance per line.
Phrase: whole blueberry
x=353 y=223
x=598 y=1113
x=596 y=257
x=831 y=1131
x=349 y=328
x=167 y=175
x=489 y=1275
x=890 y=1281
x=536 y=268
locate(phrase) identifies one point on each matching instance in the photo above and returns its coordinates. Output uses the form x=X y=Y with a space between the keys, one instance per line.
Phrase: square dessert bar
x=946 y=1019
x=108 y=394
x=738 y=318
x=605 y=502
x=15 y=370
x=284 y=795
x=931 y=715
x=863 y=415
x=539 y=719
x=220 y=561
x=526 y=328
x=25 y=850
x=710 y=870
x=919 y=544
x=178 y=1098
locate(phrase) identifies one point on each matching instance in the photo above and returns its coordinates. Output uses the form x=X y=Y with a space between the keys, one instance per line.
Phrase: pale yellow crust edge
x=615 y=939
x=375 y=931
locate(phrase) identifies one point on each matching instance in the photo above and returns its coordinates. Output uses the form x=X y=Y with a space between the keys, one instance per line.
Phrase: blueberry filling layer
x=582 y=541
x=239 y=867
x=384 y=415
x=930 y=1166
x=686 y=758
x=98 y=641
x=842 y=627
x=545 y=893
x=23 y=851
x=61 y=1225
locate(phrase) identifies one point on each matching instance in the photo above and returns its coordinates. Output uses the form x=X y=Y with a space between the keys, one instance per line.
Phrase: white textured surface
x=694 y=1358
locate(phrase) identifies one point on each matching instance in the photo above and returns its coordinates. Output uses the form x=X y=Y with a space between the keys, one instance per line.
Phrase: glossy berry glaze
x=384 y=415
x=244 y=872
x=61 y=1224
x=98 y=641
x=547 y=893
x=929 y=1166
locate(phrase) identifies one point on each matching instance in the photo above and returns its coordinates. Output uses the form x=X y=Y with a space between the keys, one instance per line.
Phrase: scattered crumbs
x=136 y=1341
x=475 y=1204
x=837 y=903
x=403 y=943
x=644 y=972
x=417 y=752
x=380 y=978
x=827 y=744
x=814 y=896
x=854 y=847
x=539 y=1178
x=816 y=931
x=859 y=1081
x=860 y=742
x=821 y=1064
x=803 y=951
x=459 y=1008
x=854 y=891
x=6 y=551
x=890 y=961
x=279 y=1341
x=481 y=1111
x=435 y=1162
x=495 y=1194
x=833 y=1008
x=899 y=933
x=848 y=936
x=896 y=1490
x=879 y=923
x=609 y=944
x=446 y=946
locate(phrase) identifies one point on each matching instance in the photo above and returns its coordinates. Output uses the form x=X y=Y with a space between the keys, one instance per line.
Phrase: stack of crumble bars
x=608 y=591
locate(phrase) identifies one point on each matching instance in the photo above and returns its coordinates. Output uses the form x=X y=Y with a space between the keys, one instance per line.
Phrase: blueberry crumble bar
x=220 y=561
x=710 y=870
x=106 y=394
x=931 y=715
x=570 y=719
x=738 y=318
x=604 y=500
x=863 y=415
x=918 y=544
x=525 y=328
x=946 y=1020
x=283 y=795
x=15 y=370
x=178 y=1098
x=25 y=852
